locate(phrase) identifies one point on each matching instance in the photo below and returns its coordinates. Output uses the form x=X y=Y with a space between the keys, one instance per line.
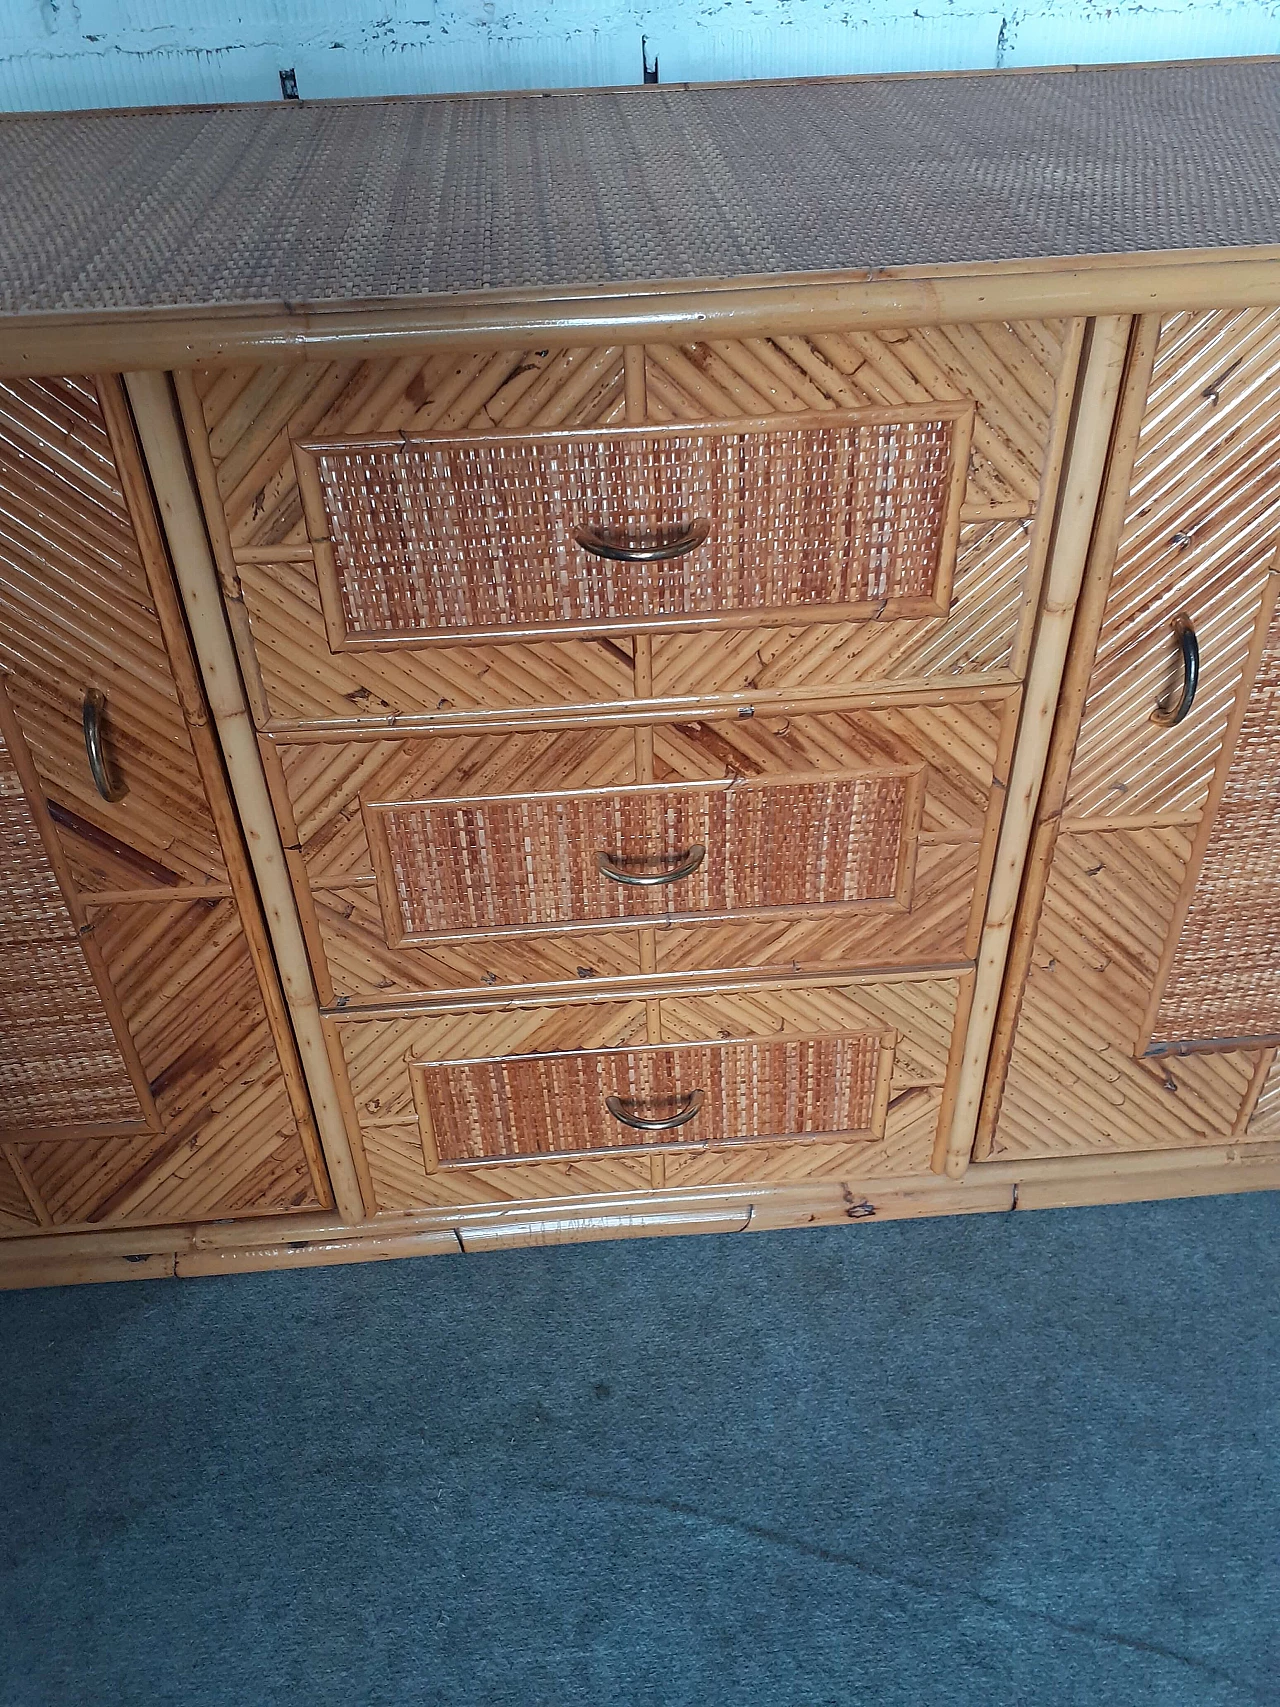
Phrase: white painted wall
x=82 y=53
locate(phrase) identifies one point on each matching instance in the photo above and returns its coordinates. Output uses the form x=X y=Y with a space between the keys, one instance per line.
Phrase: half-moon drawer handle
x=1168 y=715
x=95 y=705
x=650 y=548
x=617 y=1107
x=689 y=863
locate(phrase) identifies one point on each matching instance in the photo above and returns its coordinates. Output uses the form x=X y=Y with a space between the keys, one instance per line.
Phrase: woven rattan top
x=322 y=202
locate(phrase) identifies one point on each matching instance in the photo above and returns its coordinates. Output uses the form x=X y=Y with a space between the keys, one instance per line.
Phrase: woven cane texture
x=60 y=1063
x=435 y=537
x=16 y=1212
x=1223 y=981
x=464 y=866
x=921 y=1013
x=306 y=202
x=543 y=1105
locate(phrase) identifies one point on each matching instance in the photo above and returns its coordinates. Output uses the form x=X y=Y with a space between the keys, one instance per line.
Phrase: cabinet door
x=145 y=1071
x=1144 y=1001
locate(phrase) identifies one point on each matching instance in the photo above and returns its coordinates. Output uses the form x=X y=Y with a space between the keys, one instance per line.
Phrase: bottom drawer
x=581 y=1102
x=779 y=1084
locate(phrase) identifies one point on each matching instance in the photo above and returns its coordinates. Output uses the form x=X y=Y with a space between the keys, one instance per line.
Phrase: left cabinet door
x=147 y=1073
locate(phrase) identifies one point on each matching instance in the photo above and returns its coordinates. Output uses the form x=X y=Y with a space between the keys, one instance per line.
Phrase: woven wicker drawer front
x=718 y=1093
x=518 y=863
x=852 y=513
x=61 y=1063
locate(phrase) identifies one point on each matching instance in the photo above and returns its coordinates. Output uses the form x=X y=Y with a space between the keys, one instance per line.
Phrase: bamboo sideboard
x=636 y=661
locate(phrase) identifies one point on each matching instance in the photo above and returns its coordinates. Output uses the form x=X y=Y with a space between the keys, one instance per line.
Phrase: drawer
x=853 y=839
x=713 y=524
x=361 y=603
x=579 y=1103
x=451 y=869
x=837 y=1080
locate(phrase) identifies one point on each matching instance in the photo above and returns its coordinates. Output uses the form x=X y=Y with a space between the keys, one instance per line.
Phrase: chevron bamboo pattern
x=145 y=876
x=962 y=748
x=922 y=1014
x=1076 y=1085
x=17 y=1212
x=1199 y=536
x=75 y=613
x=229 y=1143
x=1265 y=1120
x=1017 y=375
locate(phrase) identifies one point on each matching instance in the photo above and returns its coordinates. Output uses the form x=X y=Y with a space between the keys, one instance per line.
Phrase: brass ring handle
x=650 y=879
x=1169 y=715
x=617 y=1108
x=95 y=705
x=600 y=542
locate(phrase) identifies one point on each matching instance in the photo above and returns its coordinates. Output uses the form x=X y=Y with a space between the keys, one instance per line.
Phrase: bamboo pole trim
x=1097 y=285
x=44 y=1259
x=160 y=431
x=1100 y=391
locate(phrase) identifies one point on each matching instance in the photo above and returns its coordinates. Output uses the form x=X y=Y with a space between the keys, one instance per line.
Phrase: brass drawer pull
x=1165 y=715
x=656 y=548
x=617 y=1107
x=95 y=704
x=650 y=879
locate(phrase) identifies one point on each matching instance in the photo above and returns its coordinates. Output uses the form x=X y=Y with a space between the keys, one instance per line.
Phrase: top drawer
x=843 y=515
x=401 y=538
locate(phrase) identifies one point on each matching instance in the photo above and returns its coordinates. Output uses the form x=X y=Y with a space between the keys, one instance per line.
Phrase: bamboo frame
x=1090 y=610
x=1098 y=397
x=160 y=431
x=655 y=986
x=40 y=1258
x=240 y=887
x=306 y=453
x=671 y=311
x=874 y=696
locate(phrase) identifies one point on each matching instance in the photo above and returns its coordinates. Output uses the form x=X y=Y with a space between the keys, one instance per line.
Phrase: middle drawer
x=450 y=870
x=857 y=838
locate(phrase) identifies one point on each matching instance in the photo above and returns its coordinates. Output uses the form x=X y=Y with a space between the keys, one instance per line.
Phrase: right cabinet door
x=1142 y=1007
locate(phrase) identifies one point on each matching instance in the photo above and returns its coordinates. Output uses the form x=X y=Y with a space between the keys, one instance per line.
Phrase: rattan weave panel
x=1223 y=981
x=465 y=866
x=323 y=201
x=437 y=536
x=60 y=1062
x=543 y=1105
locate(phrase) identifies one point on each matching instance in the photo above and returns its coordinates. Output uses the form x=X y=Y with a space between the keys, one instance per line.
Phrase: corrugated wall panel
x=144 y=52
